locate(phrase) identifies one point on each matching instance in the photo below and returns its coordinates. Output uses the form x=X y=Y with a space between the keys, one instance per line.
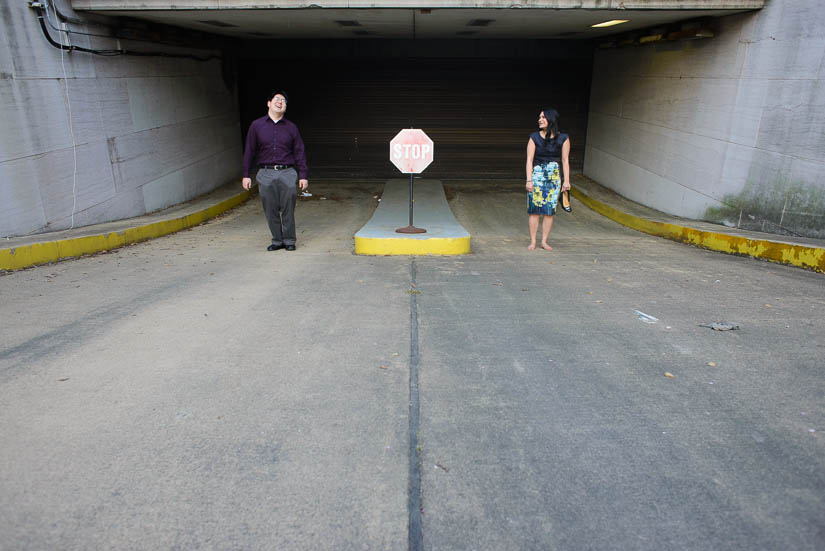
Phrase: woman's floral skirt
x=546 y=187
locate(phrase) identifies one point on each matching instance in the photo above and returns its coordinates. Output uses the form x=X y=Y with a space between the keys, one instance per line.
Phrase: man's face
x=277 y=104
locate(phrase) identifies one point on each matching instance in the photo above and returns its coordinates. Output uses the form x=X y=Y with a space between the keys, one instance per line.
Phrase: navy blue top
x=550 y=151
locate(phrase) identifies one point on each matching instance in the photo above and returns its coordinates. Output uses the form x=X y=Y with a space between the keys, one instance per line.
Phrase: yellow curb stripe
x=409 y=246
x=52 y=251
x=811 y=258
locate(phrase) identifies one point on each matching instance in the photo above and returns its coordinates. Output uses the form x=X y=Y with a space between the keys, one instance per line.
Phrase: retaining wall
x=729 y=129
x=143 y=132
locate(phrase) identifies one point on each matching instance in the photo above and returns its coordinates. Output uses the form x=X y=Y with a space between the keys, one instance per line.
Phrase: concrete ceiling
x=406 y=23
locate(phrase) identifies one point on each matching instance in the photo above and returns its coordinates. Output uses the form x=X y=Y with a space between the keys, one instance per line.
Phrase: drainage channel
x=414 y=475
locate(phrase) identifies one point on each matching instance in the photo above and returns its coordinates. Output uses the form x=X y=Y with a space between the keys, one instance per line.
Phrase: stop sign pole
x=411 y=228
x=411 y=151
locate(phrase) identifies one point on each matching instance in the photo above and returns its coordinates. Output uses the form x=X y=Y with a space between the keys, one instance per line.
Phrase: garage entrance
x=477 y=100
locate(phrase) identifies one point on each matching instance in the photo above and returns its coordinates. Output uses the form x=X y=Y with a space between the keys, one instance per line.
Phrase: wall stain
x=779 y=207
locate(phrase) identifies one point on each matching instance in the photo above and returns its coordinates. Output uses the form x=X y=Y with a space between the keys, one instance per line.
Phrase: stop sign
x=411 y=150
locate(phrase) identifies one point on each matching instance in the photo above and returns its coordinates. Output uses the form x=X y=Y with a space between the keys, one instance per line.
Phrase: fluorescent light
x=611 y=23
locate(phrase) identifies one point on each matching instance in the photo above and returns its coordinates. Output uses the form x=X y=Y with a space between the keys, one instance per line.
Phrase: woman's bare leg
x=546 y=225
x=532 y=227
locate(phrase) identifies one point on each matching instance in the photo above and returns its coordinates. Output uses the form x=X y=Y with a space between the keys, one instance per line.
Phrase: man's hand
x=304 y=184
x=246 y=183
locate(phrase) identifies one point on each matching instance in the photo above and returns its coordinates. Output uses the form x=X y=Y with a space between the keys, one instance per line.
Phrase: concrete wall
x=729 y=129
x=147 y=132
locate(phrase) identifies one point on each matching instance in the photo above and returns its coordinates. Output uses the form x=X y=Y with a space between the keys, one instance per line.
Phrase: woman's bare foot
x=546 y=247
x=531 y=247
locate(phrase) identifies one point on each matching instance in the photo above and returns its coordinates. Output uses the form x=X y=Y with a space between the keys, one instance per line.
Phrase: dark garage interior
x=477 y=99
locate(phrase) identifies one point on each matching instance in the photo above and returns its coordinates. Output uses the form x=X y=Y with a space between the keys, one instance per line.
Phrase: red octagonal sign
x=411 y=150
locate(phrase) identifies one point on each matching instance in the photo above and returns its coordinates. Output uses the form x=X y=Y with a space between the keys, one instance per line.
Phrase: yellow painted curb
x=52 y=251
x=811 y=258
x=409 y=246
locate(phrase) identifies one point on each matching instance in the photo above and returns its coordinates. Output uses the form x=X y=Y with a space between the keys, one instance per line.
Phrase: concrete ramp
x=431 y=212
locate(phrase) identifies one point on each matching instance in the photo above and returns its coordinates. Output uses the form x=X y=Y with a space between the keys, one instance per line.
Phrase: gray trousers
x=278 y=190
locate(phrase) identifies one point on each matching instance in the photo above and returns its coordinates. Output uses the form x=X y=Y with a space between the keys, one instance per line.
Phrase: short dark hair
x=275 y=93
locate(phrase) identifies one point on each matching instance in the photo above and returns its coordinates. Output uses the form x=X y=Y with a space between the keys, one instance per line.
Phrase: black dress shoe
x=290 y=247
x=274 y=247
x=565 y=201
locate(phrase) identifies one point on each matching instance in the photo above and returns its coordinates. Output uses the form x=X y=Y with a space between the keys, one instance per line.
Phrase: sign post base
x=410 y=229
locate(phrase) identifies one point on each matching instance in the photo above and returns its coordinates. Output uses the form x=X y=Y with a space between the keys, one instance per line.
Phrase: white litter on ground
x=645 y=317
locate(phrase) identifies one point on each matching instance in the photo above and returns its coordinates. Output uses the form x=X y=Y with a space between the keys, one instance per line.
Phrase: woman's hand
x=565 y=186
x=529 y=186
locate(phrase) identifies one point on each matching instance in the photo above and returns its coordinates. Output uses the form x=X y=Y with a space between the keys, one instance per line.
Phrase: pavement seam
x=810 y=258
x=414 y=475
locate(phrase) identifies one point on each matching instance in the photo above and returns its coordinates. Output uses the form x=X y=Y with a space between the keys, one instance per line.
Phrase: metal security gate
x=478 y=110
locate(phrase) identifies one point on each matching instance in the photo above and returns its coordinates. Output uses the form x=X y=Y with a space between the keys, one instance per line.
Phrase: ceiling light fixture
x=610 y=23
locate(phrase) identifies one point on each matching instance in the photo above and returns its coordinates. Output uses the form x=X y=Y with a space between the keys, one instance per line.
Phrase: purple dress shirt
x=271 y=143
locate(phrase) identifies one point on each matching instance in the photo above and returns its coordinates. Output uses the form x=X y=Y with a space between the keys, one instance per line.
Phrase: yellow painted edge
x=52 y=251
x=811 y=258
x=407 y=246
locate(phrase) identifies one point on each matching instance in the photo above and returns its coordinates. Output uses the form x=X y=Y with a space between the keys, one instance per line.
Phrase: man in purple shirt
x=275 y=145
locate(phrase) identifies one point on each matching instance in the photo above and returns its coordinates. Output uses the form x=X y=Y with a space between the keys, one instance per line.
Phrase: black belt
x=275 y=167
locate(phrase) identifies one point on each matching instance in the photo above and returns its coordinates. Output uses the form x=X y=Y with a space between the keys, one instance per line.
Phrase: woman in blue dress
x=548 y=175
